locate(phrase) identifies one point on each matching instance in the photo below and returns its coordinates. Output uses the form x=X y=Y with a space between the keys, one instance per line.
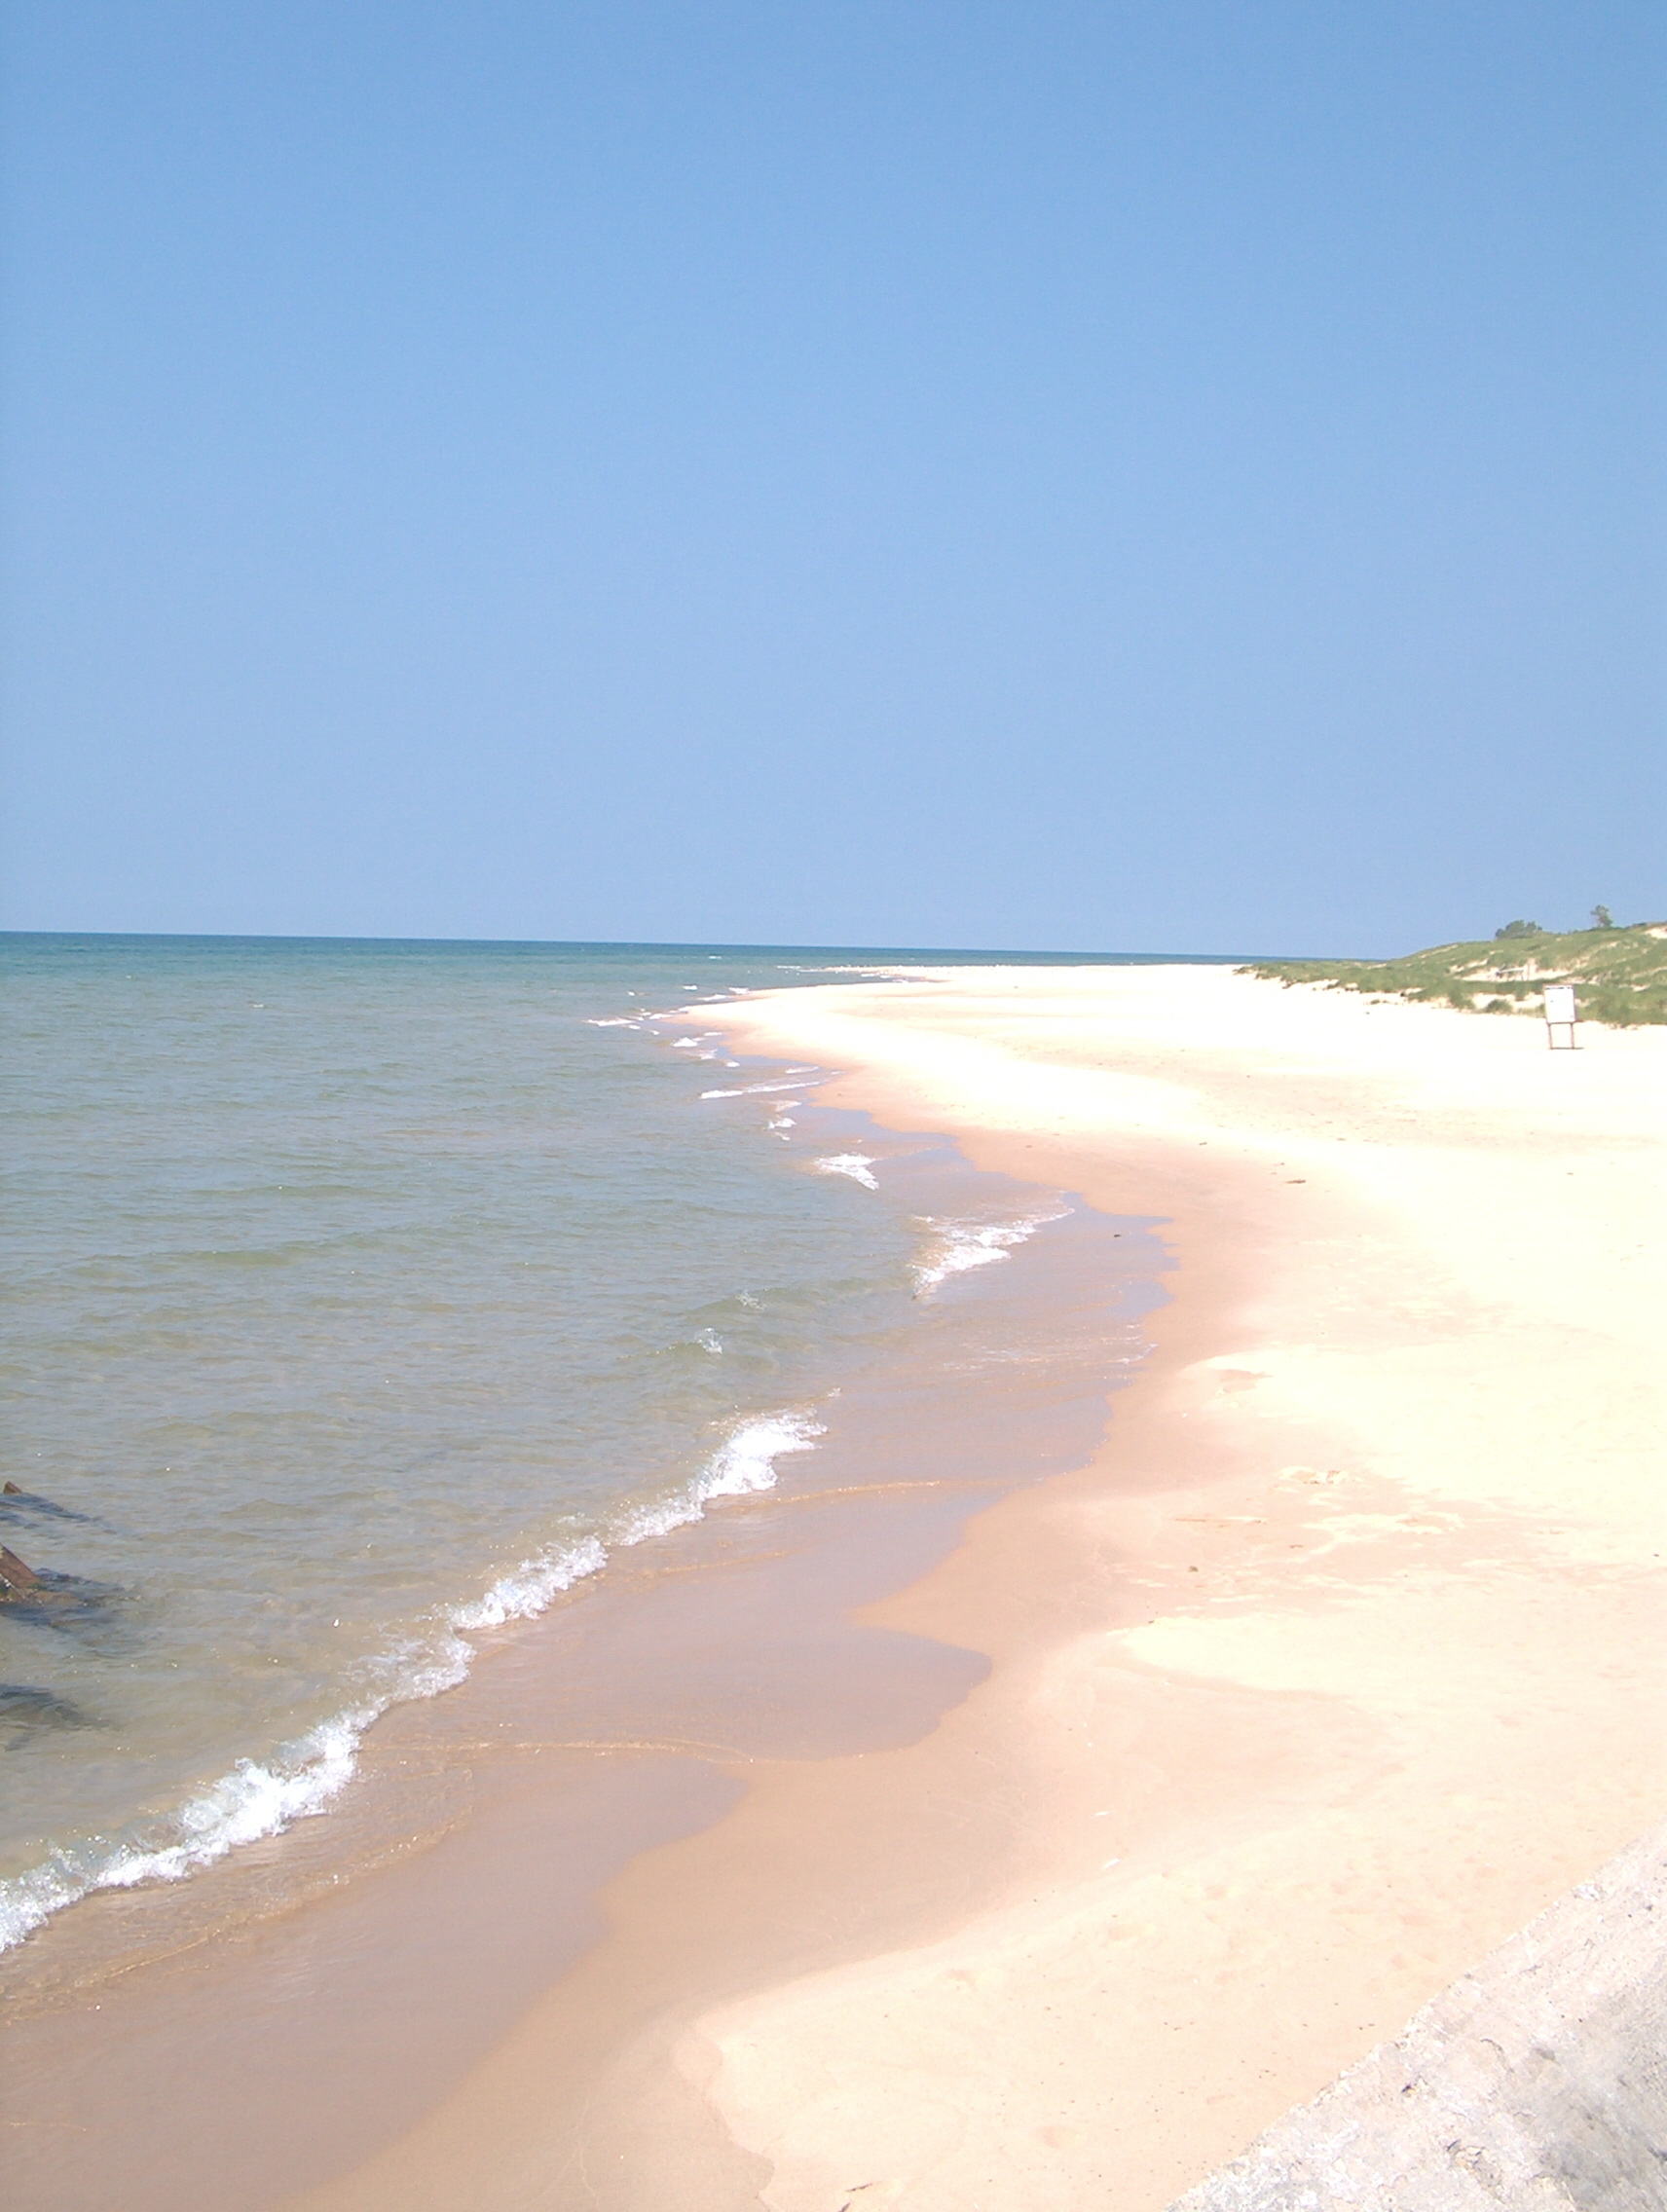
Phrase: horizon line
x=708 y=945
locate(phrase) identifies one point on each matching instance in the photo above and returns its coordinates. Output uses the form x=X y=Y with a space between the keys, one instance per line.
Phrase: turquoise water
x=365 y=1297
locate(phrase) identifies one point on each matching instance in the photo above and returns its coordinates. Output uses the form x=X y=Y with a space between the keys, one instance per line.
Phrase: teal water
x=364 y=1297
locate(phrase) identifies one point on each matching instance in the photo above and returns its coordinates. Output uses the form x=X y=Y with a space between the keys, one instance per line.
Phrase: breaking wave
x=956 y=1246
x=259 y=1799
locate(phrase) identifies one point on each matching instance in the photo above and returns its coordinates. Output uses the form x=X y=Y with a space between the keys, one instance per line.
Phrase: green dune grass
x=1619 y=974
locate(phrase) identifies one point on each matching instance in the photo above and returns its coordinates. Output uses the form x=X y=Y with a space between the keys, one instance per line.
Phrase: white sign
x=1560 y=1003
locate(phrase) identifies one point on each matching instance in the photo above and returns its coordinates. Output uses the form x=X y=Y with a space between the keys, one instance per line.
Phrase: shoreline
x=1357 y=1611
x=356 y=1968
x=1461 y=1738
x=1337 y=1662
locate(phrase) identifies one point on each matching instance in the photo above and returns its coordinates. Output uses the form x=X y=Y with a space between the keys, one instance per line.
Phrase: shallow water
x=366 y=1297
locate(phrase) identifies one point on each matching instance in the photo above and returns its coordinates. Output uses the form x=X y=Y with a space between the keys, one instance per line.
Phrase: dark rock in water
x=26 y=1712
x=16 y=1579
x=17 y=1505
x=55 y=1601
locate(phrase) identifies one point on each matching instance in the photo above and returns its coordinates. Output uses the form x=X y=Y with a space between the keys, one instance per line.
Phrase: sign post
x=1559 y=1014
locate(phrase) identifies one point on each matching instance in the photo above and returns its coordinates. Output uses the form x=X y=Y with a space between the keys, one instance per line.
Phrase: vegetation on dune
x=1621 y=975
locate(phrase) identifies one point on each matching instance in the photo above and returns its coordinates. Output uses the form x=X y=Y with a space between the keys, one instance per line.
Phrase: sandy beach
x=818 y=1394
x=1336 y=1662
x=1340 y=1661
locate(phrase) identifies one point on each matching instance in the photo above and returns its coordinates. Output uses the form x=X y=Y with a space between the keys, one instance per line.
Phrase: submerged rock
x=55 y=1600
x=26 y=1712
x=19 y=1504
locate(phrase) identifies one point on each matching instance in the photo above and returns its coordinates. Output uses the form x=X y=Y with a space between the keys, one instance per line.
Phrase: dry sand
x=1342 y=1660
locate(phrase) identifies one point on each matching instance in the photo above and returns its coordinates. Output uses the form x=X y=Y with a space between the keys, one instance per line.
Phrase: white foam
x=751 y=1089
x=747 y=1461
x=856 y=1164
x=252 y=1801
x=259 y=1799
x=528 y=1589
x=959 y=1245
x=743 y=1464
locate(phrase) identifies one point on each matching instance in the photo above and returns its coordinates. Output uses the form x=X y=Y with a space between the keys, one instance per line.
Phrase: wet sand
x=1338 y=1659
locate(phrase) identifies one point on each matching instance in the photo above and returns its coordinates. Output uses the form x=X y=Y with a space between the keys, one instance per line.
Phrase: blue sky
x=1122 y=477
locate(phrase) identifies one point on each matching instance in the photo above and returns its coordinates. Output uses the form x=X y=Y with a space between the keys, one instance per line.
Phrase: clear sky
x=1127 y=477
